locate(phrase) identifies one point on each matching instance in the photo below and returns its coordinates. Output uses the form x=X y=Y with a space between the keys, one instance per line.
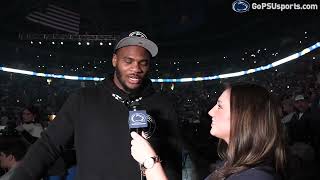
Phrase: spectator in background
x=302 y=140
x=299 y=125
x=12 y=150
x=30 y=127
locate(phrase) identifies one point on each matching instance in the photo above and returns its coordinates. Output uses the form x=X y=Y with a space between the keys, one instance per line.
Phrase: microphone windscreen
x=138 y=119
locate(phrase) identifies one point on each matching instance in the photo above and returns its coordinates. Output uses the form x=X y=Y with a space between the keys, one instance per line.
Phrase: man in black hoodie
x=97 y=119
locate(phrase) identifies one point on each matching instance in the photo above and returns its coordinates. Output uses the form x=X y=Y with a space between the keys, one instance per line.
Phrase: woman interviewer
x=246 y=120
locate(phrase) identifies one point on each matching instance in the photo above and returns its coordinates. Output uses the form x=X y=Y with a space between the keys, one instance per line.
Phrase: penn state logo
x=138 y=118
x=138 y=34
x=240 y=6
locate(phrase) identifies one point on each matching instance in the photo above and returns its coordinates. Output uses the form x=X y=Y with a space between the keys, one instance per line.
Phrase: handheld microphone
x=138 y=119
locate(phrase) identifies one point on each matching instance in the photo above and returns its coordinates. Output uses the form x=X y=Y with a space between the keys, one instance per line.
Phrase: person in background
x=30 y=127
x=12 y=150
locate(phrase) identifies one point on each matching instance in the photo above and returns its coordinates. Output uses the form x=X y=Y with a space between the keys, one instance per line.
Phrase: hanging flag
x=57 y=18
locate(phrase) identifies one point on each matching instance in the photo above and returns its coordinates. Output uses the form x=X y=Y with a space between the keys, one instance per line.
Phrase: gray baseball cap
x=137 y=38
x=299 y=97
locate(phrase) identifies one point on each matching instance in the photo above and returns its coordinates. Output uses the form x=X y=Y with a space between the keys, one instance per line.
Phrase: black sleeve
x=25 y=134
x=253 y=174
x=43 y=153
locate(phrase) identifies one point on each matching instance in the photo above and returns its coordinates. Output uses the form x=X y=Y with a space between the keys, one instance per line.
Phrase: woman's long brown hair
x=255 y=132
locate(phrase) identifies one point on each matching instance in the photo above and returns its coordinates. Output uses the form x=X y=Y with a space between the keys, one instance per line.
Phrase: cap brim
x=138 y=41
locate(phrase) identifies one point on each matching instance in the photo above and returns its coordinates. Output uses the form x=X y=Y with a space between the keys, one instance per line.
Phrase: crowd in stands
x=296 y=85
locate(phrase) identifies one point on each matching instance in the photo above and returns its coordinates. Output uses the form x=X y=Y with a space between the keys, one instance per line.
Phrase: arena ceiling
x=187 y=26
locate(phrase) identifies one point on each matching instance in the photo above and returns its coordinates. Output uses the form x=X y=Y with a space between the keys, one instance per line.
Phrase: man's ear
x=114 y=60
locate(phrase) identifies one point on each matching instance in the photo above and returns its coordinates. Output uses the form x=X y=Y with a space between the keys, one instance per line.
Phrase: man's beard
x=123 y=84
